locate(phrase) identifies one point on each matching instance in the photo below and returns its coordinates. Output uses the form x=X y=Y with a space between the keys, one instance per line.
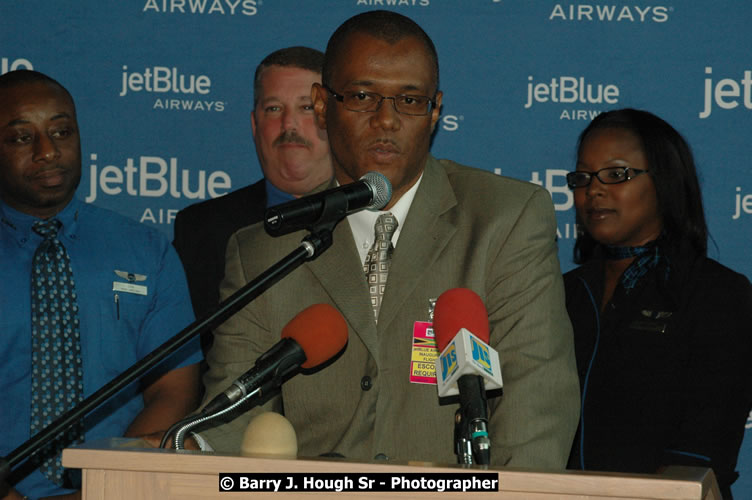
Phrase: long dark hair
x=672 y=168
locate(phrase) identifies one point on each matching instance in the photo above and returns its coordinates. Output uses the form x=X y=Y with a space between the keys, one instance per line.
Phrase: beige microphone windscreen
x=270 y=434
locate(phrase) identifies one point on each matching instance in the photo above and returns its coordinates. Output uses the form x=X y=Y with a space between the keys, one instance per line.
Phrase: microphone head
x=269 y=434
x=381 y=188
x=459 y=308
x=321 y=332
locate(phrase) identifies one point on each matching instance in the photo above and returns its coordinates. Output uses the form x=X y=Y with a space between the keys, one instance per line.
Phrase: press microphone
x=310 y=339
x=270 y=434
x=373 y=191
x=467 y=365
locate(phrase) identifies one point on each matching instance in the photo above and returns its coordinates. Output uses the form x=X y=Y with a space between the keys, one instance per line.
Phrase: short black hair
x=294 y=57
x=672 y=168
x=383 y=25
x=20 y=77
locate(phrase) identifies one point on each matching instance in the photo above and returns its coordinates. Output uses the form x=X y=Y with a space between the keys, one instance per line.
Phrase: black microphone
x=373 y=191
x=310 y=339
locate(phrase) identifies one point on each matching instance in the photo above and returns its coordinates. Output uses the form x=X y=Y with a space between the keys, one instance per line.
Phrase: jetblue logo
x=570 y=90
x=161 y=79
x=574 y=95
x=481 y=356
x=155 y=177
x=448 y=362
x=187 y=92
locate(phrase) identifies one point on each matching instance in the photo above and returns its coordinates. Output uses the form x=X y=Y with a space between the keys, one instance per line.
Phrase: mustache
x=291 y=137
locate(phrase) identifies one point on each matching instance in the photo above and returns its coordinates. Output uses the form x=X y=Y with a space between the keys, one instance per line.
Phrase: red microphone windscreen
x=459 y=308
x=320 y=330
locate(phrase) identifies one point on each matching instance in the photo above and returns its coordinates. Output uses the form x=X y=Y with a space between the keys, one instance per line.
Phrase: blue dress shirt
x=132 y=297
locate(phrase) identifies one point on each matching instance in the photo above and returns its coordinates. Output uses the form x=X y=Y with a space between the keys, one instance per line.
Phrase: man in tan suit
x=456 y=227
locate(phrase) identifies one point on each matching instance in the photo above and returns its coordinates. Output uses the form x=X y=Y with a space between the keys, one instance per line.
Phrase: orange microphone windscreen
x=459 y=308
x=320 y=330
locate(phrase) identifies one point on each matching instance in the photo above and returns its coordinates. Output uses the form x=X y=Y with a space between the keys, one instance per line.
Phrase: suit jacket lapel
x=341 y=275
x=424 y=235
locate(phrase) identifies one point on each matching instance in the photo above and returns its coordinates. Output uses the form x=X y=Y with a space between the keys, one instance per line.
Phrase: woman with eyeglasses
x=663 y=334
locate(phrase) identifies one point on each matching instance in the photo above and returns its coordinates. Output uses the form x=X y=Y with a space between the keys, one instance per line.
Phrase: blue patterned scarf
x=646 y=258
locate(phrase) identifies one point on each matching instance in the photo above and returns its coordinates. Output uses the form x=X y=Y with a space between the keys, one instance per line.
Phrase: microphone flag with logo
x=462 y=336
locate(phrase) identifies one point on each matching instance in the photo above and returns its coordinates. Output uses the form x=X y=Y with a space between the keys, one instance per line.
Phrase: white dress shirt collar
x=362 y=223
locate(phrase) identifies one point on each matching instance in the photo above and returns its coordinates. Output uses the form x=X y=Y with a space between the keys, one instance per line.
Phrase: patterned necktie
x=379 y=258
x=56 y=373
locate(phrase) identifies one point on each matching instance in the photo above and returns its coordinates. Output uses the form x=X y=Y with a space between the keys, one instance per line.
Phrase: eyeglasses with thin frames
x=608 y=175
x=367 y=102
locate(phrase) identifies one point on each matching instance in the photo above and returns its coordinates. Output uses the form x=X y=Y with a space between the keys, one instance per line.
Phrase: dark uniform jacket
x=666 y=370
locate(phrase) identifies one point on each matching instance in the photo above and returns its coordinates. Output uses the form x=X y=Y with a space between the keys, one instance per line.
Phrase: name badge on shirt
x=118 y=286
x=131 y=286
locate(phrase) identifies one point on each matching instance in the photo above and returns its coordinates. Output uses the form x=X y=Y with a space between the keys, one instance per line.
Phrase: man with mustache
x=451 y=226
x=85 y=293
x=294 y=157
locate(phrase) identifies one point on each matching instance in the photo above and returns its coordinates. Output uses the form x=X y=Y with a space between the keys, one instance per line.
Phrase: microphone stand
x=181 y=427
x=471 y=442
x=462 y=445
x=318 y=241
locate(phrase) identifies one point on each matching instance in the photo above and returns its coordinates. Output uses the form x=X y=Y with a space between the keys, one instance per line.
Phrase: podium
x=117 y=470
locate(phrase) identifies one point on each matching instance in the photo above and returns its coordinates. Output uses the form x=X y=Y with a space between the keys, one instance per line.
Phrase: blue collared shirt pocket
x=122 y=315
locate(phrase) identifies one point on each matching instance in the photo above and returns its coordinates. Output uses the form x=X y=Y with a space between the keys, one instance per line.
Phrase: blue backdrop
x=163 y=89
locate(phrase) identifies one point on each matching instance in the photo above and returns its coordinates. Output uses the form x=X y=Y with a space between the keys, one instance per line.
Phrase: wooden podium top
x=118 y=468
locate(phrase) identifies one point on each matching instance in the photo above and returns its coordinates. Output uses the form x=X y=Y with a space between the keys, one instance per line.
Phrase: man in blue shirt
x=129 y=285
